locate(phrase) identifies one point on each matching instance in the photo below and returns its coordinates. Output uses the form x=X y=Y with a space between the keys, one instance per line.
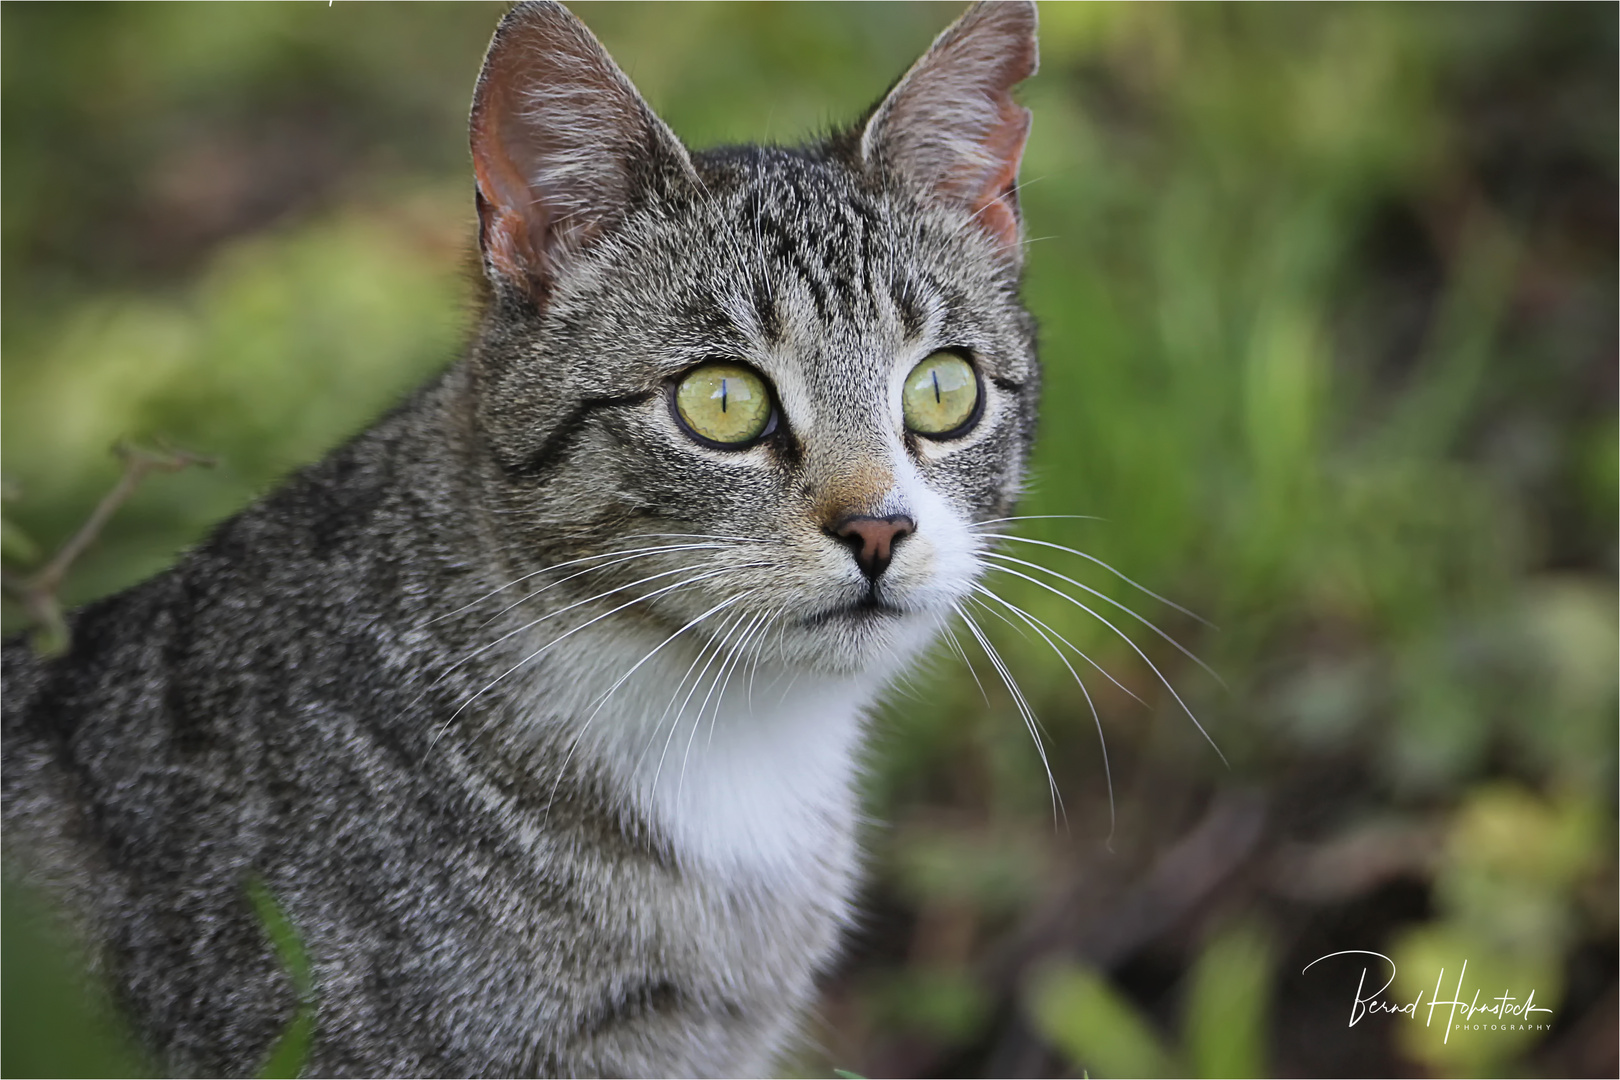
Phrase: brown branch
x=38 y=592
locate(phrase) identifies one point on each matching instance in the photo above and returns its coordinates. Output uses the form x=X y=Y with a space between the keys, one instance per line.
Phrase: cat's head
x=754 y=387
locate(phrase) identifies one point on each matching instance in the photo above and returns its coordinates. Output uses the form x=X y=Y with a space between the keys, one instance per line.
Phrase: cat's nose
x=872 y=539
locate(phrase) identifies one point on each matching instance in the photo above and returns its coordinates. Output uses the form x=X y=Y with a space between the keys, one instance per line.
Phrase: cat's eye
x=941 y=396
x=724 y=404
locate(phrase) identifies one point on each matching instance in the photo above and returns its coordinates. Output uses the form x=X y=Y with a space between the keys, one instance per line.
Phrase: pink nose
x=872 y=539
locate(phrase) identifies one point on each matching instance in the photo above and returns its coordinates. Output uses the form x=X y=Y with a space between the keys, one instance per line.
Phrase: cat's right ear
x=561 y=144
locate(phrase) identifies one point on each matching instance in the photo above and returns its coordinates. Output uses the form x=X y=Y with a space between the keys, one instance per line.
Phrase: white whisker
x=1024 y=710
x=553 y=614
x=557 y=640
x=988 y=610
x=1110 y=600
x=1047 y=627
x=560 y=566
x=708 y=536
x=1037 y=517
x=1110 y=569
x=1019 y=630
x=1015 y=190
x=1102 y=742
x=788 y=690
x=645 y=553
x=1126 y=638
x=950 y=636
x=750 y=640
x=702 y=652
x=675 y=726
x=759 y=653
x=722 y=679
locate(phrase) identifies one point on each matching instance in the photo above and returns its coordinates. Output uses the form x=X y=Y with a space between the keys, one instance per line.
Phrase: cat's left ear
x=951 y=126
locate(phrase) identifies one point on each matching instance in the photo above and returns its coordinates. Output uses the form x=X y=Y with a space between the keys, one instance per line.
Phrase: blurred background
x=1328 y=310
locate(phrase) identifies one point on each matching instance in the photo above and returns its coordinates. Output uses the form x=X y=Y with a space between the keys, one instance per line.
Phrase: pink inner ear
x=513 y=220
x=505 y=231
x=996 y=198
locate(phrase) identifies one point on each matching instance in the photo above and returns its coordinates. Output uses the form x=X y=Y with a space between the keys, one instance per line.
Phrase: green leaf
x=291 y=1051
x=1095 y=1026
x=1227 y=1002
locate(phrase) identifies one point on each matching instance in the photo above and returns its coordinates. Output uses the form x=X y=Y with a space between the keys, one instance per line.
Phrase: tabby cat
x=537 y=707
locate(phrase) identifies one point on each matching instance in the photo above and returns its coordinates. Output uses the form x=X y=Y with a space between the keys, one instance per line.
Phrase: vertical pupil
x=935 y=374
x=723 y=381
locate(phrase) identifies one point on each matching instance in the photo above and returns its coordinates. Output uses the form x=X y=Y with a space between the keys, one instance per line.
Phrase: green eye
x=941 y=394
x=724 y=404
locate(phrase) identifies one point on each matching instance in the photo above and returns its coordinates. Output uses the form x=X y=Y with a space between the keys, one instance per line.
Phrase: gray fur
x=317 y=695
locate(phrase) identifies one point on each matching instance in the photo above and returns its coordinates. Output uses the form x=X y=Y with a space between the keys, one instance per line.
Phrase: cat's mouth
x=868 y=608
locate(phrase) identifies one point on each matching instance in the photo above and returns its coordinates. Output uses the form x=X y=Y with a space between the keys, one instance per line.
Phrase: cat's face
x=768 y=398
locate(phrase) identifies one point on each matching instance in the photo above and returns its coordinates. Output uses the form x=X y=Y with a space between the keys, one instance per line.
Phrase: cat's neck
x=744 y=769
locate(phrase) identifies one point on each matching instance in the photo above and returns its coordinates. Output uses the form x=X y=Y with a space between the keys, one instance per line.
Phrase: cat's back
x=167 y=677
x=123 y=792
x=217 y=725
x=88 y=729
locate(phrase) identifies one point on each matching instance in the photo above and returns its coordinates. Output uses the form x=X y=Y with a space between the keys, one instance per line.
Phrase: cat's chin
x=870 y=638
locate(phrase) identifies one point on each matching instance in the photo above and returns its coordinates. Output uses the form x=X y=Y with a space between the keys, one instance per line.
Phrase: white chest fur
x=746 y=767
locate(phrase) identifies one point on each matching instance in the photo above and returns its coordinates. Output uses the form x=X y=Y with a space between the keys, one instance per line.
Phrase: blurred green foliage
x=1223 y=1023
x=57 y=1022
x=1507 y=899
x=1091 y=1022
x=1328 y=308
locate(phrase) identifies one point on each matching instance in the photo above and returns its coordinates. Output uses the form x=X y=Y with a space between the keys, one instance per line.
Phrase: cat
x=537 y=708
